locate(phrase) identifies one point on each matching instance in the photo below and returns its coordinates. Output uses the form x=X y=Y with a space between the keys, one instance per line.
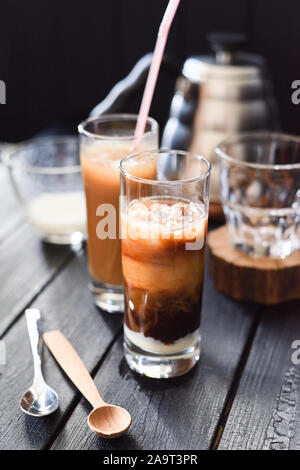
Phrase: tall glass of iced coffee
x=104 y=141
x=163 y=227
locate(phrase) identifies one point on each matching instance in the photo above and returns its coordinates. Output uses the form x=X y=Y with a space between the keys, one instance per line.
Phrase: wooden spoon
x=105 y=420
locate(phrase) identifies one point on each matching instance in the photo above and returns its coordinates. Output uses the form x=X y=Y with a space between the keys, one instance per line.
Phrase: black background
x=59 y=58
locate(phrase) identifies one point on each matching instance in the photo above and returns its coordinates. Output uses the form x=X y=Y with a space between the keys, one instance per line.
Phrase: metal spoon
x=105 y=420
x=40 y=399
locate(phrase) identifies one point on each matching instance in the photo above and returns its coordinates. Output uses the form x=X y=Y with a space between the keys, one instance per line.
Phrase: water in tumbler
x=264 y=232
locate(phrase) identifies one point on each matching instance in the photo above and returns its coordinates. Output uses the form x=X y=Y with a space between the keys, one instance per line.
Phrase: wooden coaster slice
x=264 y=280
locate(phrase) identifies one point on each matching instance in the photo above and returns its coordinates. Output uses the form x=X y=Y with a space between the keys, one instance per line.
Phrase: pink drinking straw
x=154 y=69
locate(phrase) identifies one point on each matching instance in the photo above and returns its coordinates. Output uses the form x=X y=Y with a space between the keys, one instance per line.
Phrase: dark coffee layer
x=160 y=315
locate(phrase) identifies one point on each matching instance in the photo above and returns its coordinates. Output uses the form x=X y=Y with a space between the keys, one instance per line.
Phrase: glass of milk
x=46 y=176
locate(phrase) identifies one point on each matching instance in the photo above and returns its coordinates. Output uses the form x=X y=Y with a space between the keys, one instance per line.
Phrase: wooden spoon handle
x=73 y=366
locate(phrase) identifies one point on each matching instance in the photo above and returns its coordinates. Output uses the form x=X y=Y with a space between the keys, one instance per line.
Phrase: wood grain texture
x=266 y=410
x=66 y=305
x=242 y=277
x=11 y=212
x=26 y=267
x=180 y=413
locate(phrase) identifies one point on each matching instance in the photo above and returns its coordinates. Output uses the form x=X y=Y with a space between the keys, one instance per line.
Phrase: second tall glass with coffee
x=104 y=141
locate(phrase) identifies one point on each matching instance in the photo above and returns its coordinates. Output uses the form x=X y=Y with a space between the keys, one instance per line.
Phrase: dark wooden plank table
x=244 y=393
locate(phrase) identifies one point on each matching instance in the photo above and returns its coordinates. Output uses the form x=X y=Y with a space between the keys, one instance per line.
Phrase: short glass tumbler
x=46 y=176
x=164 y=224
x=260 y=190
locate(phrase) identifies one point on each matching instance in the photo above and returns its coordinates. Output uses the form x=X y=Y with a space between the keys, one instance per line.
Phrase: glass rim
x=165 y=182
x=275 y=136
x=8 y=157
x=115 y=117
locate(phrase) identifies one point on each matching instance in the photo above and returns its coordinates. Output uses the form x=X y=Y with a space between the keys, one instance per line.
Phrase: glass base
x=161 y=366
x=107 y=297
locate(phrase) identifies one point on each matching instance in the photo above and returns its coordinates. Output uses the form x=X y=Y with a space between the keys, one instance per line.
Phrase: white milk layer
x=58 y=213
x=152 y=345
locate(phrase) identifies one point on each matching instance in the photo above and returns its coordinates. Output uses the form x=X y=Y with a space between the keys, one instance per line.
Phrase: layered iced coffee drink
x=104 y=142
x=163 y=278
x=163 y=255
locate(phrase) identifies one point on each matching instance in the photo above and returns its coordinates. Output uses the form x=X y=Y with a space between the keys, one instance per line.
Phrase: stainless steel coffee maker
x=224 y=93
